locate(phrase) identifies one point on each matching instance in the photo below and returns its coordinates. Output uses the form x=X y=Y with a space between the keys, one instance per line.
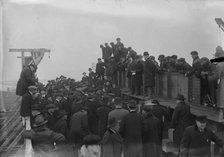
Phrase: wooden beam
x=41 y=50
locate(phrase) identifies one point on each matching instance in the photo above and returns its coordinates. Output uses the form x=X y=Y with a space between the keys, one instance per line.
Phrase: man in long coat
x=197 y=139
x=149 y=75
x=26 y=79
x=102 y=113
x=112 y=141
x=27 y=102
x=151 y=133
x=181 y=118
x=131 y=131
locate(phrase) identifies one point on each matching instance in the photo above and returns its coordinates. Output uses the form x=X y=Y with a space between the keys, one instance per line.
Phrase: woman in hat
x=112 y=141
x=91 y=146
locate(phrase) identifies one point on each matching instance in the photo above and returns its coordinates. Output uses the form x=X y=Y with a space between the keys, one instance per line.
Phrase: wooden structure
x=32 y=51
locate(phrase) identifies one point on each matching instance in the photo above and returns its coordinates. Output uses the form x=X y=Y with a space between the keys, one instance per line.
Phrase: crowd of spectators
x=90 y=112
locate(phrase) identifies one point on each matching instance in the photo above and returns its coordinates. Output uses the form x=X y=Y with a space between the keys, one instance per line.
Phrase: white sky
x=74 y=29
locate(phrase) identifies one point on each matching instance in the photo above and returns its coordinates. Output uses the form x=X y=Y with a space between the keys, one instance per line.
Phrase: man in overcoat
x=26 y=79
x=151 y=132
x=181 y=118
x=112 y=141
x=27 y=102
x=131 y=131
x=197 y=139
x=150 y=70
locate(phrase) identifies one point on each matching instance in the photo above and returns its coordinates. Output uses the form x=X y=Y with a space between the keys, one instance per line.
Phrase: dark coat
x=79 y=127
x=112 y=144
x=197 y=144
x=100 y=68
x=107 y=52
x=139 y=68
x=51 y=120
x=26 y=79
x=43 y=141
x=183 y=68
x=181 y=119
x=131 y=131
x=26 y=104
x=151 y=136
x=150 y=70
x=102 y=113
x=61 y=127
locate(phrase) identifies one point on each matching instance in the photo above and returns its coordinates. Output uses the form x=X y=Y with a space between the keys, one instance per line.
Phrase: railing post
x=28 y=144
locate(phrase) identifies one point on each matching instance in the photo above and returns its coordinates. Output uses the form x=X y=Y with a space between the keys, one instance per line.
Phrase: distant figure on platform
x=131 y=131
x=197 y=139
x=27 y=102
x=220 y=69
x=103 y=51
x=100 y=69
x=182 y=66
x=85 y=78
x=43 y=138
x=27 y=78
x=112 y=141
x=108 y=53
x=132 y=53
x=181 y=118
x=150 y=70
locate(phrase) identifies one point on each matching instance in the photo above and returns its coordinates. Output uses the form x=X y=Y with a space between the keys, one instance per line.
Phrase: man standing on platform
x=27 y=78
x=149 y=75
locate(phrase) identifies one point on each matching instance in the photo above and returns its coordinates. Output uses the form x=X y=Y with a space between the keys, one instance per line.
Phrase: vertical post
x=23 y=59
x=28 y=144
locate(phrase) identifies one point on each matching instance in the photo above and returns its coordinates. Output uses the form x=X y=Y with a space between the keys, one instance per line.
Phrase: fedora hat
x=180 y=97
x=39 y=121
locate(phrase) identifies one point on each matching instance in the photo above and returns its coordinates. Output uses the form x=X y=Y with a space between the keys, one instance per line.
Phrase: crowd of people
x=91 y=115
x=141 y=68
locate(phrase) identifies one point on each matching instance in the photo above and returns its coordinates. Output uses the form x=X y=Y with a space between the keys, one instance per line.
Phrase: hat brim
x=38 y=125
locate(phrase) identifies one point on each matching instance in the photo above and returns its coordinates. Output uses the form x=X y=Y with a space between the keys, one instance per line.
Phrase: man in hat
x=79 y=126
x=43 y=138
x=119 y=112
x=197 y=139
x=159 y=112
x=108 y=53
x=151 y=132
x=131 y=131
x=27 y=78
x=61 y=125
x=112 y=141
x=102 y=113
x=103 y=51
x=27 y=102
x=100 y=68
x=85 y=78
x=195 y=57
x=138 y=70
x=49 y=115
x=182 y=66
x=181 y=118
x=150 y=70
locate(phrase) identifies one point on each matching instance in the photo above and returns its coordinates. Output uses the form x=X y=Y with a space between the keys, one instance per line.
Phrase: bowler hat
x=201 y=118
x=145 y=53
x=132 y=104
x=180 y=97
x=91 y=139
x=194 y=53
x=39 y=121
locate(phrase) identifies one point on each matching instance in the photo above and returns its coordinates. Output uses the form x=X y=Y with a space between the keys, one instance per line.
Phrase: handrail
x=28 y=144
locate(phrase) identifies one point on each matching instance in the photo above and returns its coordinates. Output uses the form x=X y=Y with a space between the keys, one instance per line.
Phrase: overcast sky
x=74 y=29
